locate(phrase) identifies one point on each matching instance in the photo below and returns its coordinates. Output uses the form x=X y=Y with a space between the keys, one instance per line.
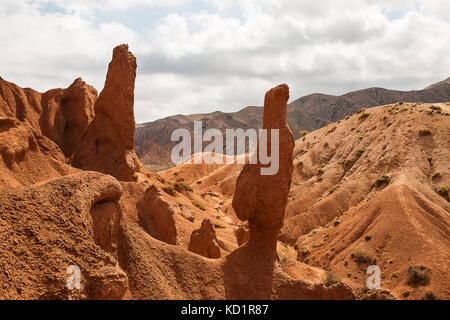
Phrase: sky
x=199 y=56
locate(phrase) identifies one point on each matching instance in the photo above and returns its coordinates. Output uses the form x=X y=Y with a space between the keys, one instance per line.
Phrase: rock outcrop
x=108 y=145
x=46 y=228
x=24 y=104
x=261 y=200
x=242 y=235
x=27 y=157
x=157 y=216
x=63 y=115
x=67 y=113
x=204 y=241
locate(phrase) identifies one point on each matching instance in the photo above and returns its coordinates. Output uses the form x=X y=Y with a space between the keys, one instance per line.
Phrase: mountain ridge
x=310 y=112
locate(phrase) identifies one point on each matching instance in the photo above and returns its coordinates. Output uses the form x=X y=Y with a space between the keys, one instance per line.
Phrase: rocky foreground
x=367 y=190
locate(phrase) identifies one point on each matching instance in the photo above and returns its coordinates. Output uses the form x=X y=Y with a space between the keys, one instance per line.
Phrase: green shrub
x=170 y=190
x=198 y=205
x=218 y=225
x=332 y=130
x=334 y=188
x=336 y=222
x=181 y=185
x=303 y=133
x=436 y=175
x=429 y=295
x=418 y=275
x=359 y=152
x=443 y=191
x=367 y=238
x=436 y=108
x=425 y=132
x=363 y=115
x=361 y=256
x=382 y=180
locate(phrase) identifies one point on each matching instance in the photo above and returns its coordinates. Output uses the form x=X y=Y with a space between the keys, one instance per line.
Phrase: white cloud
x=207 y=55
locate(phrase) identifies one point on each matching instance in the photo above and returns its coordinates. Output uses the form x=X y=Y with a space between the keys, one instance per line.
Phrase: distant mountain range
x=311 y=112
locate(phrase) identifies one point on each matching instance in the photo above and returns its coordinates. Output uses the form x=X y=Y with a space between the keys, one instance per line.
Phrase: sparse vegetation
x=443 y=191
x=334 y=188
x=359 y=152
x=367 y=238
x=181 y=185
x=320 y=171
x=218 y=225
x=361 y=256
x=436 y=108
x=363 y=115
x=418 y=275
x=286 y=253
x=383 y=179
x=425 y=132
x=336 y=222
x=331 y=130
x=393 y=275
x=348 y=163
x=169 y=189
x=429 y=295
x=311 y=233
x=331 y=279
x=435 y=175
x=198 y=205
x=303 y=133
x=406 y=293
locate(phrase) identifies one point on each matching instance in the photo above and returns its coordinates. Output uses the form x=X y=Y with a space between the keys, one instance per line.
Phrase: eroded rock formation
x=48 y=227
x=204 y=241
x=63 y=115
x=261 y=200
x=67 y=113
x=108 y=145
x=242 y=235
x=157 y=216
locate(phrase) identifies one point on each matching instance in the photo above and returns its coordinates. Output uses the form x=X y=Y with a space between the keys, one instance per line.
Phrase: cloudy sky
x=206 y=55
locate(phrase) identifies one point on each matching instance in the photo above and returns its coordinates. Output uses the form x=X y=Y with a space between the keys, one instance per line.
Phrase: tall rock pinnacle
x=108 y=145
x=261 y=200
